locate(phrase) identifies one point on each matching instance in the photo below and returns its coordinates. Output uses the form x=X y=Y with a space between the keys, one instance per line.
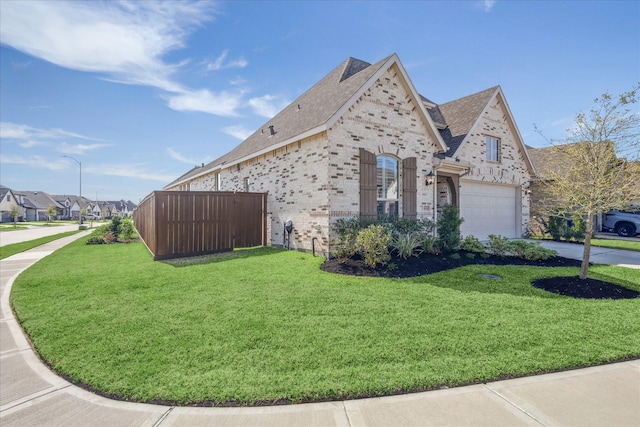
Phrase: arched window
x=387 y=186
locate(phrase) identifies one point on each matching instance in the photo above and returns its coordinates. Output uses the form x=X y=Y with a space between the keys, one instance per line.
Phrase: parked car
x=624 y=222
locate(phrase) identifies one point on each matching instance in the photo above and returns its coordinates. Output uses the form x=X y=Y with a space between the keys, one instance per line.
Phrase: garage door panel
x=488 y=209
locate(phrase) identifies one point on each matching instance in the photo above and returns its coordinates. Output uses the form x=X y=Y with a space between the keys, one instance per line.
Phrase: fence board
x=176 y=224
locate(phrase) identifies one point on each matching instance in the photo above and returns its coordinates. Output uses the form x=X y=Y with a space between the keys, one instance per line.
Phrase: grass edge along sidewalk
x=15 y=248
x=270 y=326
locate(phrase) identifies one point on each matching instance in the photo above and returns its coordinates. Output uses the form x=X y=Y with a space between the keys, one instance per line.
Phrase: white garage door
x=489 y=209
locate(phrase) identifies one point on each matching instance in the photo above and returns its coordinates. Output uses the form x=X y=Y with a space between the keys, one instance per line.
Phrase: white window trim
x=492 y=155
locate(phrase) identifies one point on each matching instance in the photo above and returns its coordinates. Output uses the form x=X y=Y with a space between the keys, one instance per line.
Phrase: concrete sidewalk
x=8 y=237
x=31 y=395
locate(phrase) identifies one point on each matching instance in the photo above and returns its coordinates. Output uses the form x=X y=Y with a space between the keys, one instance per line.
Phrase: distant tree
x=14 y=212
x=51 y=212
x=594 y=169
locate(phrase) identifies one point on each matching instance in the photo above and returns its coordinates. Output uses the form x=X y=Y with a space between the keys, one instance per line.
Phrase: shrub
x=109 y=238
x=114 y=227
x=576 y=229
x=498 y=245
x=373 y=244
x=454 y=255
x=126 y=229
x=472 y=244
x=95 y=240
x=470 y=255
x=429 y=244
x=532 y=251
x=406 y=245
x=448 y=226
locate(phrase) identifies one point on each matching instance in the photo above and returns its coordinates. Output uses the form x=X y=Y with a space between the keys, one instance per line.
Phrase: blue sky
x=140 y=92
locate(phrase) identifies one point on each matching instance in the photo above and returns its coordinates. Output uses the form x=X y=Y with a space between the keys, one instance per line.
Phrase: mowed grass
x=617 y=244
x=271 y=325
x=16 y=248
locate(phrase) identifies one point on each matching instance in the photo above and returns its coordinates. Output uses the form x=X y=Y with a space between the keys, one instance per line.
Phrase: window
x=246 y=185
x=387 y=186
x=493 y=149
x=218 y=182
x=8 y=197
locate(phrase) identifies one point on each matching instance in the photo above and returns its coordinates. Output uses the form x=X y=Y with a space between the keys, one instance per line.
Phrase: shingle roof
x=311 y=109
x=460 y=115
x=3 y=191
x=39 y=199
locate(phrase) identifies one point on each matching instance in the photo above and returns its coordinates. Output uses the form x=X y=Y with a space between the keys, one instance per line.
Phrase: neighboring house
x=36 y=205
x=547 y=161
x=363 y=142
x=8 y=201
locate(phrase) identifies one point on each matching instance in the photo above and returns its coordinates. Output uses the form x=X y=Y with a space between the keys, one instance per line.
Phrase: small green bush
x=472 y=244
x=406 y=245
x=470 y=255
x=532 y=251
x=373 y=244
x=126 y=229
x=454 y=255
x=95 y=240
x=448 y=226
x=498 y=245
x=429 y=244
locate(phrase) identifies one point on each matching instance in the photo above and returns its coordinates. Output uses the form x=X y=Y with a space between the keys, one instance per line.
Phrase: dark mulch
x=414 y=266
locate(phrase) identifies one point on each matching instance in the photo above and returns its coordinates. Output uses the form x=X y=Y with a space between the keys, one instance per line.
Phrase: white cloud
x=267 y=105
x=219 y=104
x=124 y=40
x=129 y=171
x=31 y=143
x=80 y=148
x=35 y=161
x=239 y=132
x=220 y=63
x=23 y=132
x=179 y=157
x=487 y=5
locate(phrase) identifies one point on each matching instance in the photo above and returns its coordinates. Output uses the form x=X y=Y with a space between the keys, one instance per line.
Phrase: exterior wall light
x=428 y=178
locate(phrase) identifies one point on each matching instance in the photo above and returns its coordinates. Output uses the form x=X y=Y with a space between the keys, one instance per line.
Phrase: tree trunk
x=587 y=246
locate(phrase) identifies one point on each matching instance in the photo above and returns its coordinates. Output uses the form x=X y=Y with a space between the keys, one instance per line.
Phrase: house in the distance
x=8 y=202
x=364 y=142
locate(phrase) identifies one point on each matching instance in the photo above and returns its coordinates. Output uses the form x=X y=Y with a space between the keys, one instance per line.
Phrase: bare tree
x=595 y=169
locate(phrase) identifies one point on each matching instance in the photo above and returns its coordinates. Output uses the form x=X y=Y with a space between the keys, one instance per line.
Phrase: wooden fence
x=187 y=223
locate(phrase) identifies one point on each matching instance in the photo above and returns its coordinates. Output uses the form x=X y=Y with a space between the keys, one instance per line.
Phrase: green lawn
x=271 y=325
x=617 y=244
x=16 y=248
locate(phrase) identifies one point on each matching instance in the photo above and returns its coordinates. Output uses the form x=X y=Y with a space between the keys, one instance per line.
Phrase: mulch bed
x=414 y=266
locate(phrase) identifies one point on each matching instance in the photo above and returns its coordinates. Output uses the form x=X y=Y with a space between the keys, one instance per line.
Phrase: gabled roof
x=463 y=114
x=3 y=191
x=460 y=116
x=39 y=200
x=315 y=111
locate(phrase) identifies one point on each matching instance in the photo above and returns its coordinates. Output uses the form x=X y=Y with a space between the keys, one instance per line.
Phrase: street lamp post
x=80 y=200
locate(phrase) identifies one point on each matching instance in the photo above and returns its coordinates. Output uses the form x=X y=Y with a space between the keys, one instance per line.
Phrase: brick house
x=363 y=142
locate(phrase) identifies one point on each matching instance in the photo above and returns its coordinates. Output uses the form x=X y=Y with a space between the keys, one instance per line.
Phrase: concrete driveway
x=630 y=259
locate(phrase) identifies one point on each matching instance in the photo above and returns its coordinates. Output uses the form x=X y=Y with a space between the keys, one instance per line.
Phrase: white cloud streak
x=23 y=132
x=487 y=5
x=239 y=132
x=129 y=171
x=35 y=161
x=219 y=104
x=220 y=63
x=179 y=157
x=80 y=148
x=267 y=105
